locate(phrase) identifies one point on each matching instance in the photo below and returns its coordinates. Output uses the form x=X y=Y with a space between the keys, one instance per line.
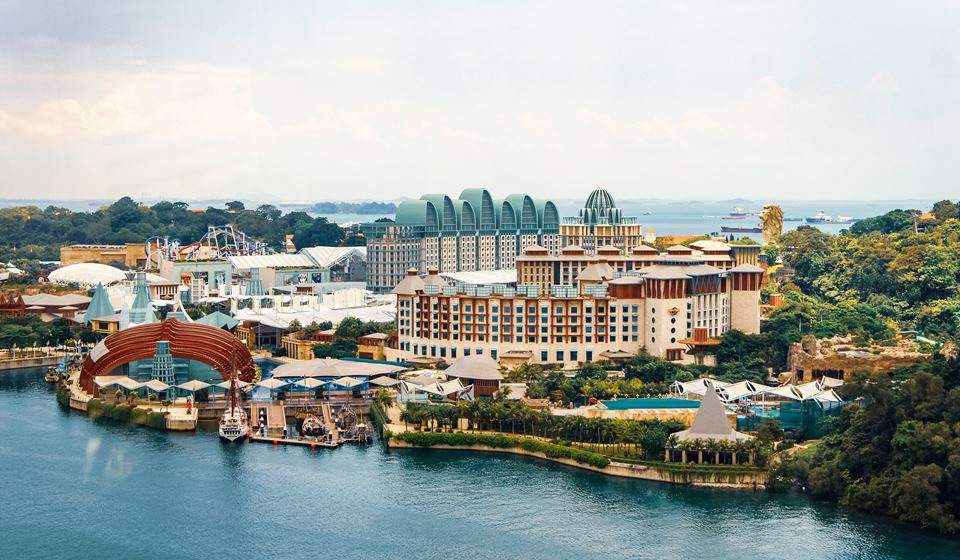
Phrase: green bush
x=63 y=396
x=138 y=416
x=157 y=421
x=500 y=441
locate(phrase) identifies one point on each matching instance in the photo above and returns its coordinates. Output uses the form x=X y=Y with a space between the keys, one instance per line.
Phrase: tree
x=235 y=206
x=319 y=232
x=946 y=210
x=339 y=348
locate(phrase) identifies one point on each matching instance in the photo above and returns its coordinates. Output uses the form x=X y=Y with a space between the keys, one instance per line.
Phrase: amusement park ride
x=219 y=242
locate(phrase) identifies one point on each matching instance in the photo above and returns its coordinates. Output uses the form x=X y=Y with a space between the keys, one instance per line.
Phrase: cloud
x=187 y=103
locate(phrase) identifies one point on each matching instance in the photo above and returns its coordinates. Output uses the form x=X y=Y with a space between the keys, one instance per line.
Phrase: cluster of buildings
x=477 y=232
x=608 y=298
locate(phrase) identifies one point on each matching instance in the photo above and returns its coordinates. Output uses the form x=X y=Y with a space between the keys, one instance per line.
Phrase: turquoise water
x=72 y=488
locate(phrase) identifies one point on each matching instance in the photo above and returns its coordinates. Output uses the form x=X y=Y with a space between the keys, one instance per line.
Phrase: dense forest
x=896 y=448
x=27 y=232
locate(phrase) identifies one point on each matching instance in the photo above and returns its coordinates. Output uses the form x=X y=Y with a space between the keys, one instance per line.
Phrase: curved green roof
x=446 y=213
x=483 y=208
x=547 y=215
x=466 y=215
x=525 y=211
x=417 y=213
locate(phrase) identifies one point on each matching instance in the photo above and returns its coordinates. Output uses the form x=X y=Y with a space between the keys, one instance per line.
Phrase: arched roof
x=417 y=213
x=547 y=215
x=466 y=215
x=525 y=211
x=192 y=341
x=482 y=204
x=506 y=215
x=446 y=213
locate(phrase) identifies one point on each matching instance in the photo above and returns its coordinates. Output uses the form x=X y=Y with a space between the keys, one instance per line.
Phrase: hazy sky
x=325 y=100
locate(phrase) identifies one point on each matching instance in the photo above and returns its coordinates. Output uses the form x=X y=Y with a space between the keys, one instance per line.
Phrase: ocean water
x=74 y=488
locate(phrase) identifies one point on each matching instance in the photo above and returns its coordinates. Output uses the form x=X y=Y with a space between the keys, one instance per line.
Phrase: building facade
x=131 y=255
x=472 y=232
x=600 y=223
x=597 y=314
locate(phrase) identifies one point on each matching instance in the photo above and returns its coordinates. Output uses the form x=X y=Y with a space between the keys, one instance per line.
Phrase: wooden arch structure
x=192 y=341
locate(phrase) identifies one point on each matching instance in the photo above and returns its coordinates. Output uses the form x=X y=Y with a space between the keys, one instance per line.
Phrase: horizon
x=777 y=100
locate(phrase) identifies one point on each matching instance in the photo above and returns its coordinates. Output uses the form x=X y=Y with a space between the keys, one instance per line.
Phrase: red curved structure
x=193 y=341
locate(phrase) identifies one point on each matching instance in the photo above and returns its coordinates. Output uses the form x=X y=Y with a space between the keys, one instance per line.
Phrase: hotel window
x=466 y=351
x=543 y=355
x=559 y=355
x=573 y=355
x=589 y=355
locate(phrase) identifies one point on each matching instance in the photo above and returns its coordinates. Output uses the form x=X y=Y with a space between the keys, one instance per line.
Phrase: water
x=72 y=488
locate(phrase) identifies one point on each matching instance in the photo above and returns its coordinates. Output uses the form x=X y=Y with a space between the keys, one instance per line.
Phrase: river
x=74 y=488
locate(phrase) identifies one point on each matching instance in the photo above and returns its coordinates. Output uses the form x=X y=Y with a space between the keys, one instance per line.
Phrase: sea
x=76 y=488
x=664 y=217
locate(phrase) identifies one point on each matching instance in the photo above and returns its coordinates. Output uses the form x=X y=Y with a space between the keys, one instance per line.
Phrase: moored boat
x=234 y=426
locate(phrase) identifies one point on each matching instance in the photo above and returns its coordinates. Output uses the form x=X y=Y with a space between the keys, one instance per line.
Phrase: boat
x=233 y=424
x=734 y=229
x=844 y=220
x=732 y=217
x=739 y=213
x=311 y=426
x=52 y=375
x=820 y=218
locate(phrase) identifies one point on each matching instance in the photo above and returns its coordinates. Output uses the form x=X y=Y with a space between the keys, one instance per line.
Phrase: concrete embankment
x=31 y=362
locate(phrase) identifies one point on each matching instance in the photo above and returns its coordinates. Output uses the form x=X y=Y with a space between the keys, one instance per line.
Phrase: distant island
x=353 y=208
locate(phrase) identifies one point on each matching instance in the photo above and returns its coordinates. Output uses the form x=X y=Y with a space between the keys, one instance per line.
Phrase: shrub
x=500 y=441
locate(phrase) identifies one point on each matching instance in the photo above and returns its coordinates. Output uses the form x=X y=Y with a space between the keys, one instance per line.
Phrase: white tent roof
x=193 y=385
x=310 y=383
x=384 y=381
x=156 y=385
x=271 y=383
x=347 y=381
x=326 y=257
x=226 y=384
x=121 y=380
x=697 y=386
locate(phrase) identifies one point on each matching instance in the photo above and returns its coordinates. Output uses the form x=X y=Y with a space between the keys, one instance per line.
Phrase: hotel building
x=574 y=307
x=600 y=223
x=469 y=233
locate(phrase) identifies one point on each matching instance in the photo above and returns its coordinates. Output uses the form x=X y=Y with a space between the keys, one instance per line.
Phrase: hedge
x=63 y=396
x=499 y=441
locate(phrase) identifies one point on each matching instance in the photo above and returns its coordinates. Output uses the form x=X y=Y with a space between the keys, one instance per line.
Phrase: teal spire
x=254 y=284
x=100 y=305
x=141 y=311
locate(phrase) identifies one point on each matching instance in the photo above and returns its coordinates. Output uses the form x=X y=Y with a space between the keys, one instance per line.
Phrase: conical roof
x=711 y=421
x=100 y=305
x=141 y=311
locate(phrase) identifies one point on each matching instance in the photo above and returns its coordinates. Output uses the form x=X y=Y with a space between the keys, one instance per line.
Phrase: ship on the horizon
x=820 y=218
x=738 y=213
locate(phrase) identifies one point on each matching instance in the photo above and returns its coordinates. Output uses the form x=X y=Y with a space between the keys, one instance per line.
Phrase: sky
x=307 y=101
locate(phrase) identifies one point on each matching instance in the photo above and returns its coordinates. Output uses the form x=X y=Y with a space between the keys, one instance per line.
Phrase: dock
x=303 y=442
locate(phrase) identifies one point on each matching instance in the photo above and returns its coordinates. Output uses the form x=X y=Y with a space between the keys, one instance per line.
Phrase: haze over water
x=74 y=488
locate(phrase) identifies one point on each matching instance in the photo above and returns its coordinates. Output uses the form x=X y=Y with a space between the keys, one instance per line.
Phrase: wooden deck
x=305 y=442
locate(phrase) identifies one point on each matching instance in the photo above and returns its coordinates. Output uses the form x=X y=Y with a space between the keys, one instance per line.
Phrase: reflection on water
x=165 y=495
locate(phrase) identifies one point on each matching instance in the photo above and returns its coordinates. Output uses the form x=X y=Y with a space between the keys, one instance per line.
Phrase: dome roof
x=600 y=208
x=87 y=274
x=600 y=201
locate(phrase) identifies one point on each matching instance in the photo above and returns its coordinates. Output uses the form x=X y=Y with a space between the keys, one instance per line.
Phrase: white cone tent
x=711 y=422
